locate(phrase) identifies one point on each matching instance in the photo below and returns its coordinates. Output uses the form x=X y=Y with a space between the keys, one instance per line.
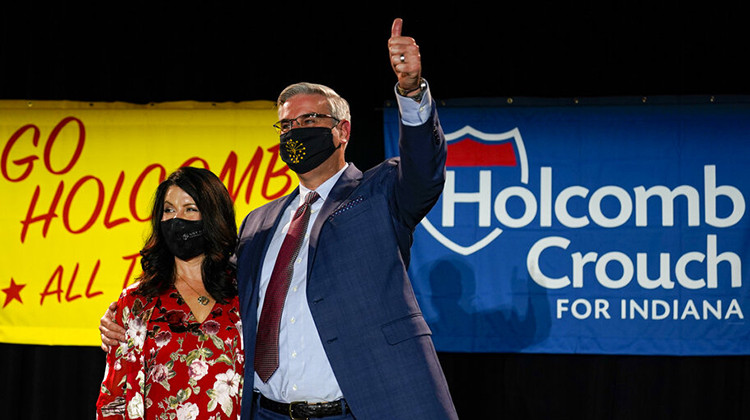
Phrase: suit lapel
x=266 y=228
x=348 y=181
x=275 y=215
x=256 y=237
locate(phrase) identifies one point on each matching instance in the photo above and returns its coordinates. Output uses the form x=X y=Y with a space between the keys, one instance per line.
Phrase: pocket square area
x=347 y=206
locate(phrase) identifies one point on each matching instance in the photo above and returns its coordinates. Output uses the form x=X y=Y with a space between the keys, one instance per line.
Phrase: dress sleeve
x=111 y=403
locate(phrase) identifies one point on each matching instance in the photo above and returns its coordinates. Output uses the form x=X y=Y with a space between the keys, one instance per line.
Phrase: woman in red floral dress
x=183 y=356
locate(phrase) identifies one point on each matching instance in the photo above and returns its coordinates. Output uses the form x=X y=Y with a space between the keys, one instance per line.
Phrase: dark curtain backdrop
x=217 y=53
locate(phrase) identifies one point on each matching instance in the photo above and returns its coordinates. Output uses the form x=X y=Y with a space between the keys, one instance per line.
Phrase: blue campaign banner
x=613 y=226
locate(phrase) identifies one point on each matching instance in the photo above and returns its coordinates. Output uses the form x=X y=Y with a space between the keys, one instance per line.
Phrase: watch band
x=421 y=88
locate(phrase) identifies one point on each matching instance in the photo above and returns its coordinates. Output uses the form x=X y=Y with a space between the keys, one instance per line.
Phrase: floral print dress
x=172 y=366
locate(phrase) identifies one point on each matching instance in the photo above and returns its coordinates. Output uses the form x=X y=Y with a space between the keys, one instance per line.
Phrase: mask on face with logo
x=304 y=148
x=184 y=238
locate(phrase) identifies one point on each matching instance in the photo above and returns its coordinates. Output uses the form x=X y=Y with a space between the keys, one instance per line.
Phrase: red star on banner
x=13 y=292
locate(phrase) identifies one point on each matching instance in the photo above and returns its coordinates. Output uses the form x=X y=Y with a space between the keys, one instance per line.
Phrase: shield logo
x=472 y=152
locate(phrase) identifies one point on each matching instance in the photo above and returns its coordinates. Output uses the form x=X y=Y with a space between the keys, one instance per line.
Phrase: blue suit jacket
x=359 y=293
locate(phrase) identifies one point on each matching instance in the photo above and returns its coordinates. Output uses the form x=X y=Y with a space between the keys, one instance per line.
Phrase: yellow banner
x=77 y=182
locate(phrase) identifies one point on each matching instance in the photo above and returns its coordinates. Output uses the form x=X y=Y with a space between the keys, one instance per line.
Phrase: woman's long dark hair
x=219 y=229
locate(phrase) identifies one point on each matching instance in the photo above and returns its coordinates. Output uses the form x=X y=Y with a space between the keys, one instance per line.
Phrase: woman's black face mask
x=184 y=238
x=304 y=149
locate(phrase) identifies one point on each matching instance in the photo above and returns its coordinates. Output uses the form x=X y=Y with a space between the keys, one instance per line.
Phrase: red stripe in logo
x=468 y=152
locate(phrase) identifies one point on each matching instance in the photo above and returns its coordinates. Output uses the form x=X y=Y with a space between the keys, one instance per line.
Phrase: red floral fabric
x=172 y=366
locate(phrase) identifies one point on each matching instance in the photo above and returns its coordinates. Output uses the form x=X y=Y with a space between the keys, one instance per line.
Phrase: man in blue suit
x=350 y=341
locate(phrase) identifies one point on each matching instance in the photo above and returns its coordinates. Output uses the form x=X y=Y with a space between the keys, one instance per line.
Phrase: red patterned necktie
x=267 y=338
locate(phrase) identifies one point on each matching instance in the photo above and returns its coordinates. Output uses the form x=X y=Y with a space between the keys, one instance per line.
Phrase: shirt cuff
x=414 y=113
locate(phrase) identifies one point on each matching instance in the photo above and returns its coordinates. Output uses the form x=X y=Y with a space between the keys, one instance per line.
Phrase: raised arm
x=422 y=147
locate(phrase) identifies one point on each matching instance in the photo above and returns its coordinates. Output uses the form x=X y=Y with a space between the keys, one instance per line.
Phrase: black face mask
x=304 y=148
x=184 y=238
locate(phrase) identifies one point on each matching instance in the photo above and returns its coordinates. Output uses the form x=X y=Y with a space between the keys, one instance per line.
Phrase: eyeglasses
x=305 y=120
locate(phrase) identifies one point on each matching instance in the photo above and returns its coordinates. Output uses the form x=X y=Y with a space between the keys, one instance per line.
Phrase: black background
x=220 y=52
